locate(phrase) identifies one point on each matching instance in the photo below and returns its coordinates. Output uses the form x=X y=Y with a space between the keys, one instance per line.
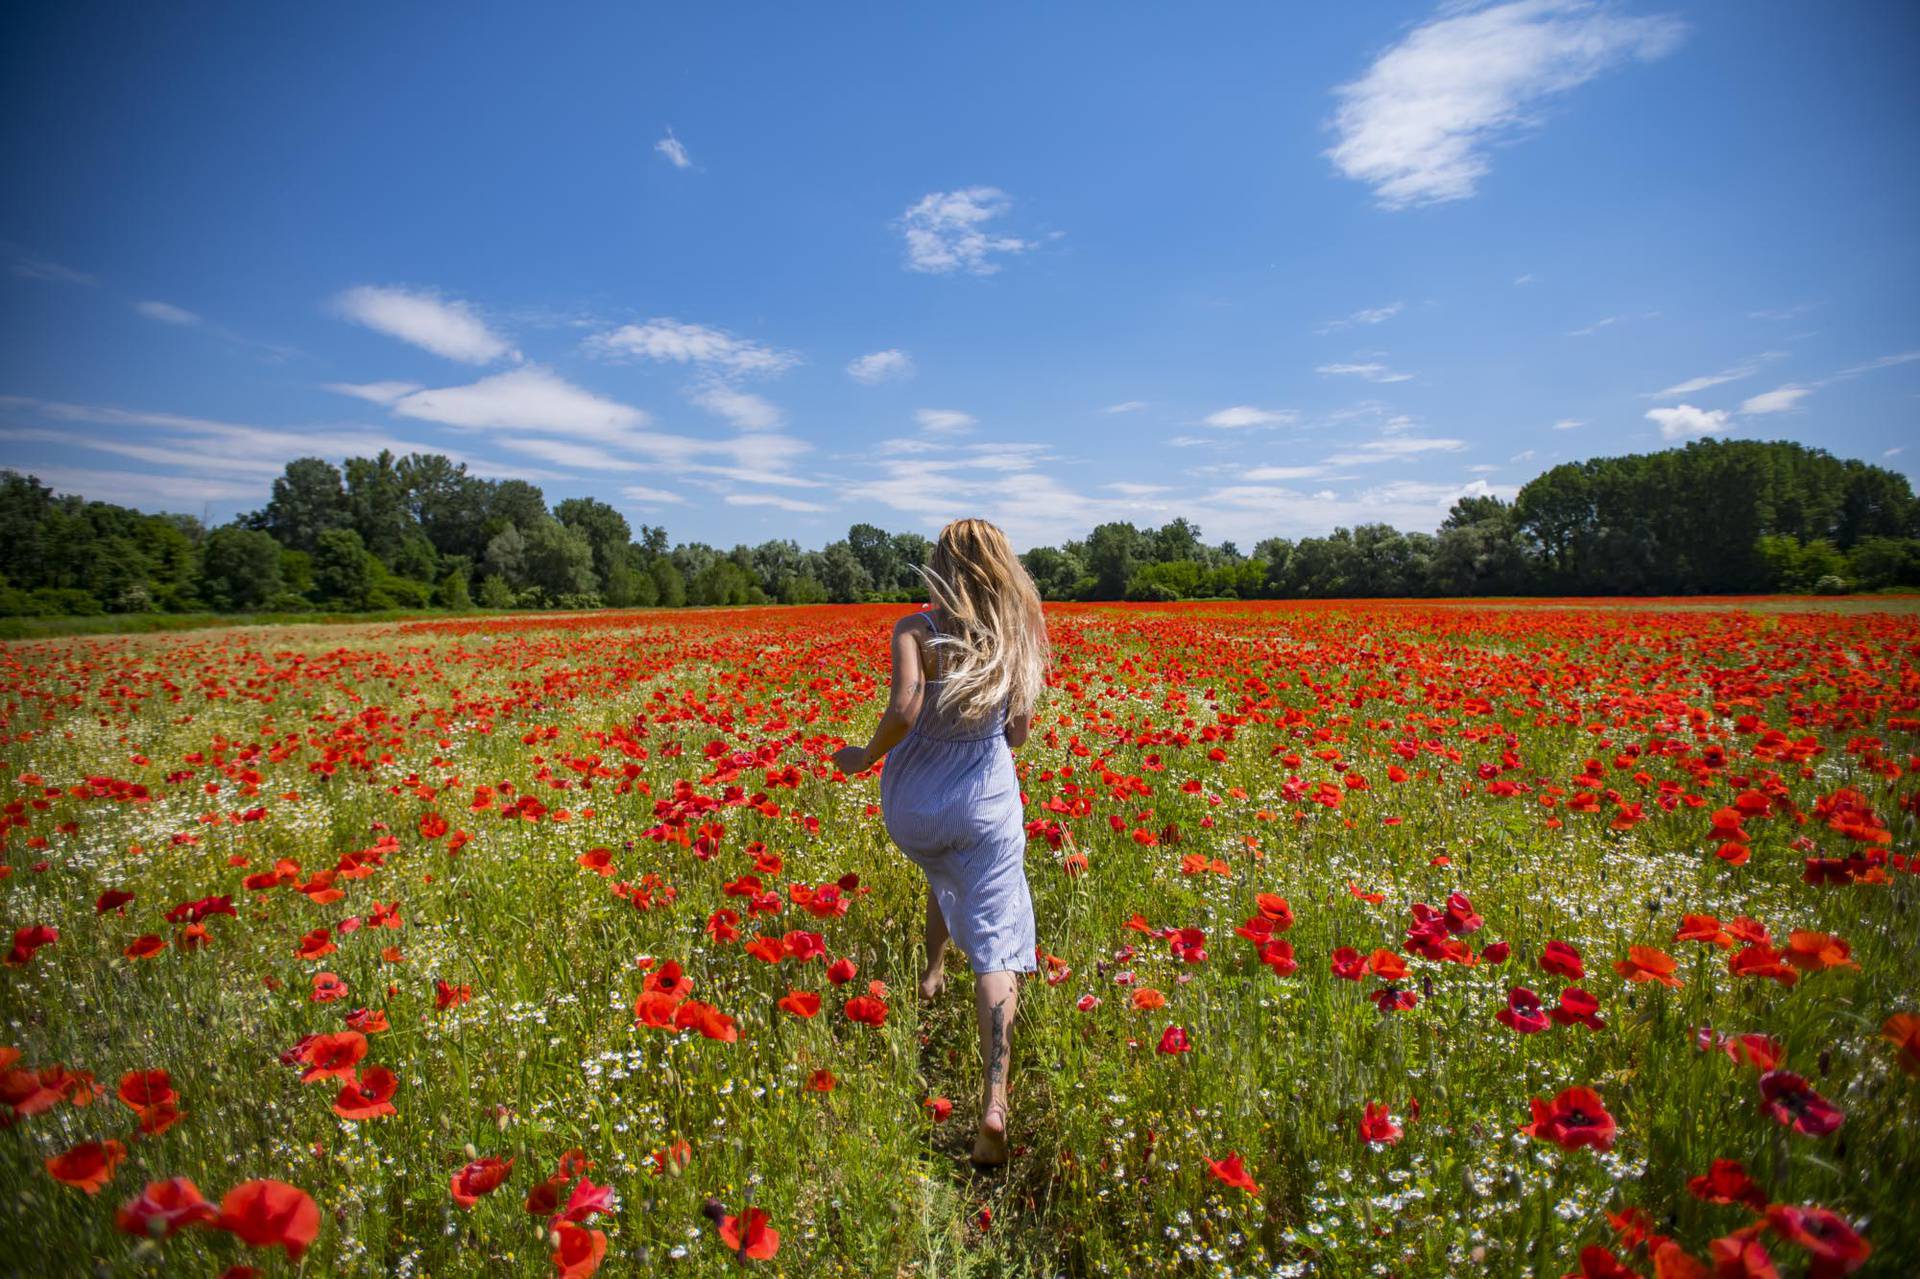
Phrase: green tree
x=309 y=498
x=559 y=560
x=607 y=535
x=343 y=569
x=239 y=569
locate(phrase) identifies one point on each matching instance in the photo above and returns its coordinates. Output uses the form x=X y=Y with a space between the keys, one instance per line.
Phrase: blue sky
x=768 y=270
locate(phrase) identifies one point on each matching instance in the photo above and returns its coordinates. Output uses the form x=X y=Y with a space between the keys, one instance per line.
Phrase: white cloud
x=890 y=365
x=1394 y=447
x=1701 y=383
x=447 y=328
x=1482 y=468
x=167 y=313
x=1280 y=474
x=644 y=496
x=747 y=411
x=945 y=232
x=1684 y=421
x=1895 y=451
x=146 y=491
x=374 y=392
x=1521 y=281
x=1371 y=372
x=1249 y=512
x=527 y=399
x=944 y=421
x=1593 y=328
x=672 y=341
x=1781 y=399
x=29 y=267
x=773 y=500
x=1884 y=362
x=1126 y=406
x=1369 y=315
x=1569 y=424
x=1418 y=125
x=1241 y=416
x=1129 y=489
x=675 y=152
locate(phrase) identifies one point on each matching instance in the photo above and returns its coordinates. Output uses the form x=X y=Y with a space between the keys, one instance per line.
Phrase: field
x=1379 y=939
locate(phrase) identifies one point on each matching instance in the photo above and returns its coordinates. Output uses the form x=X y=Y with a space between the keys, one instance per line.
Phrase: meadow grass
x=346 y=739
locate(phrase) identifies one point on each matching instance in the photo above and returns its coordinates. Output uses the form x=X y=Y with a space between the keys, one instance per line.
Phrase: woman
x=966 y=675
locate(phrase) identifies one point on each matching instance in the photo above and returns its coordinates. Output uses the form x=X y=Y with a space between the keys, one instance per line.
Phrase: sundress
x=950 y=799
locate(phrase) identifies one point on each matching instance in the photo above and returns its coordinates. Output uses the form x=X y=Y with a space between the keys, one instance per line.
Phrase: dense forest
x=421 y=532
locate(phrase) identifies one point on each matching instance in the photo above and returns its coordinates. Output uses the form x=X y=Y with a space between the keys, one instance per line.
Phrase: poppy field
x=1396 y=939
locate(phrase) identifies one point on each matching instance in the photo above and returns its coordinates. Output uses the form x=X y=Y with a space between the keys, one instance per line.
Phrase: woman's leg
x=933 y=978
x=996 y=999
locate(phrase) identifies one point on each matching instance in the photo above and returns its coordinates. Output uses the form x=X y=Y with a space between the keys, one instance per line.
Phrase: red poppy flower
x=315 y=944
x=1274 y=907
x=1703 y=928
x=88 y=1166
x=1811 y=952
x=821 y=1081
x=368 y=1097
x=1377 y=1127
x=368 y=1021
x=1762 y=961
x=866 y=1010
x=1727 y=1182
x=1523 y=1012
x=1562 y=960
x=332 y=1056
x=113 y=899
x=668 y=980
x=328 y=987
x=1233 y=1173
x=446 y=995
x=842 y=971
x=1576 y=1118
x=1174 y=1040
x=1644 y=963
x=1903 y=1031
x=1833 y=1246
x=804 y=946
x=28 y=940
x=577 y=1251
x=1278 y=955
x=163 y=1209
x=756 y=1240
x=1391 y=999
x=708 y=1020
x=597 y=860
x=145 y=946
x=939 y=1107
x=481 y=1177
x=142 y=1088
x=1739 y=1256
x=801 y=1003
x=1793 y=1103
x=1348 y=963
x=1578 y=1006
x=1386 y=965
x=271 y=1214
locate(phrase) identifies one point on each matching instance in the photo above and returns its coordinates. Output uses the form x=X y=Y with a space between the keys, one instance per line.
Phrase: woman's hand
x=851 y=760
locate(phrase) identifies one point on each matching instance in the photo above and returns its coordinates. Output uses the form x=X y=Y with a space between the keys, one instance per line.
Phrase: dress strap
x=928 y=618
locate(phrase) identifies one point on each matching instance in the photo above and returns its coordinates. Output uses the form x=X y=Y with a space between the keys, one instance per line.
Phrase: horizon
x=1272 y=272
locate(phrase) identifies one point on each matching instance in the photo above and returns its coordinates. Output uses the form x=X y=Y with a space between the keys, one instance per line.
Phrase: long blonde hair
x=993 y=646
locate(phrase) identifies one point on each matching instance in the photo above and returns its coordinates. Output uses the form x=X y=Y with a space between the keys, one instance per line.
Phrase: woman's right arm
x=1018 y=726
x=903 y=705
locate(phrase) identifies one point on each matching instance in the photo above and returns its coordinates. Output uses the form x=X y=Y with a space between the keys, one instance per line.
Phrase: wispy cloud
x=676 y=342
x=1126 y=406
x=167 y=313
x=946 y=232
x=1395 y=447
x=1418 y=126
x=374 y=392
x=1593 y=328
x=1782 y=399
x=890 y=365
x=747 y=411
x=641 y=495
x=1683 y=421
x=30 y=266
x=676 y=153
x=452 y=329
x=530 y=398
x=774 y=500
x=1884 y=362
x=1701 y=383
x=1372 y=372
x=1521 y=281
x=944 y=421
x=1569 y=424
x=1367 y=315
x=1242 y=416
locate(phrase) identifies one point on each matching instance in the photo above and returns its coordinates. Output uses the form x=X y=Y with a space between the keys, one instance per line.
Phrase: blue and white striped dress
x=951 y=800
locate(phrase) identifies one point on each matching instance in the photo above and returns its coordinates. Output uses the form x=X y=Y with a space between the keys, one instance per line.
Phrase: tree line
x=421 y=532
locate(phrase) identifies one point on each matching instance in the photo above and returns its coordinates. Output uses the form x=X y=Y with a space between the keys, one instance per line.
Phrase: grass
x=344 y=738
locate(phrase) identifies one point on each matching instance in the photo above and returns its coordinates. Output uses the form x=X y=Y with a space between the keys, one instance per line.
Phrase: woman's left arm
x=903 y=706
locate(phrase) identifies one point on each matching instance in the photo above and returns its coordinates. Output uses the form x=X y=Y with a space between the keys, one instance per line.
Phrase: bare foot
x=932 y=984
x=990 y=1146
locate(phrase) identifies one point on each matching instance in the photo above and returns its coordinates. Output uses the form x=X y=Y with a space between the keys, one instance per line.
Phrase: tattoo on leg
x=997 y=1044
